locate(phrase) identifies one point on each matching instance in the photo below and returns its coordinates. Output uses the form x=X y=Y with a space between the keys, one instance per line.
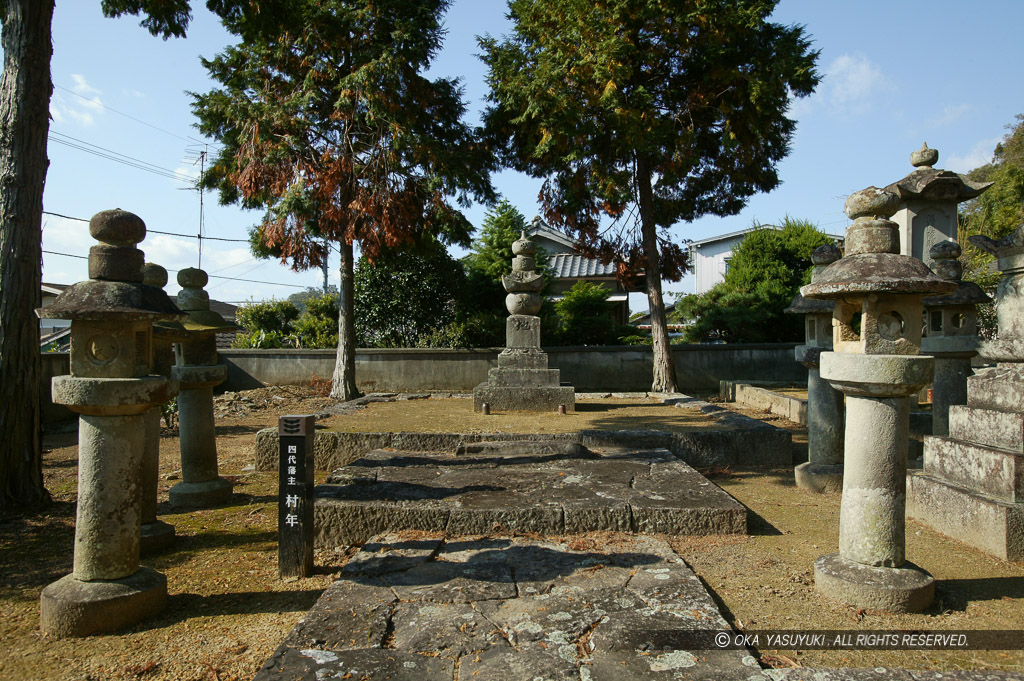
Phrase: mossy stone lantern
x=198 y=371
x=952 y=333
x=823 y=472
x=877 y=365
x=110 y=387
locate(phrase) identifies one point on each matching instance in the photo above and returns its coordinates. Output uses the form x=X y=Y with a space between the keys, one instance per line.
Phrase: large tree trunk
x=664 y=380
x=343 y=385
x=25 y=90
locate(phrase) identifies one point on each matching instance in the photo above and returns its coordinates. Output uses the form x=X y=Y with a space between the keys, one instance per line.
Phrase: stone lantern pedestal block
x=903 y=589
x=71 y=607
x=200 y=484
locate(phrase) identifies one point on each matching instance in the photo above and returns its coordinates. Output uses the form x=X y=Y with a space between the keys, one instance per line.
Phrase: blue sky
x=896 y=73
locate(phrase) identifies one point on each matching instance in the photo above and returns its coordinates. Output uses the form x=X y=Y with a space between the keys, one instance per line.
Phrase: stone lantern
x=111 y=389
x=877 y=365
x=823 y=471
x=927 y=213
x=952 y=333
x=522 y=380
x=197 y=372
x=157 y=534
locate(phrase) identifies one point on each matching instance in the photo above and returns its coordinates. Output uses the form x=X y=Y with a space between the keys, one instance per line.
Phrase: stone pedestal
x=111 y=390
x=877 y=365
x=522 y=380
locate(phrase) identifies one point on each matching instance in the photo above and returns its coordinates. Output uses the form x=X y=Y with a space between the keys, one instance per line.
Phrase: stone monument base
x=156 y=536
x=71 y=607
x=818 y=477
x=201 y=494
x=903 y=589
x=524 y=398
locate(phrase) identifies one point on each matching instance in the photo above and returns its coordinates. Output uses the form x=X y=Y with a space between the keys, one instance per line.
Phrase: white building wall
x=709 y=263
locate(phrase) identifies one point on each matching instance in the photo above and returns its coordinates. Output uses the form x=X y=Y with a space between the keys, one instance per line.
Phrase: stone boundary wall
x=760 y=395
x=746 y=442
x=699 y=368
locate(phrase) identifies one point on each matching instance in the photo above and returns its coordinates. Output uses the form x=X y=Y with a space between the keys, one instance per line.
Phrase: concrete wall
x=54 y=364
x=588 y=369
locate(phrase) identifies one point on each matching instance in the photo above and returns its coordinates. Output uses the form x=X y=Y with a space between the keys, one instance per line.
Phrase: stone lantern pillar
x=928 y=199
x=157 y=534
x=877 y=365
x=522 y=380
x=823 y=471
x=111 y=389
x=952 y=334
x=198 y=371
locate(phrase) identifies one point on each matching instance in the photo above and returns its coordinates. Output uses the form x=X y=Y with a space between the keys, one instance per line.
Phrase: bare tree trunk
x=664 y=380
x=25 y=89
x=343 y=385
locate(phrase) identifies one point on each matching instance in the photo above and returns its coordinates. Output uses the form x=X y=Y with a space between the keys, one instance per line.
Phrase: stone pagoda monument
x=522 y=380
x=972 y=485
x=823 y=471
x=111 y=387
x=877 y=365
x=928 y=198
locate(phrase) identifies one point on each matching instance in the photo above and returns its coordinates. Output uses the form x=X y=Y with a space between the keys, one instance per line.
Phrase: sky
x=895 y=74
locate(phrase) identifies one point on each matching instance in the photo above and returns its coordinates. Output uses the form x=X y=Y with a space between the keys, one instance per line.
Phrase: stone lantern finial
x=924 y=157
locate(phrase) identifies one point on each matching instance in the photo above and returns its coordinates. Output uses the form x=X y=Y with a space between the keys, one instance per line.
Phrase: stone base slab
x=71 y=607
x=821 y=478
x=999 y=388
x=903 y=589
x=991 y=472
x=502 y=398
x=156 y=536
x=544 y=492
x=993 y=526
x=787 y=406
x=1000 y=429
x=201 y=494
x=523 y=378
x=510 y=608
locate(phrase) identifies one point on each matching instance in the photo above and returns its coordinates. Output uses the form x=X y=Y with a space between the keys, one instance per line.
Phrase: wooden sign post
x=295 y=496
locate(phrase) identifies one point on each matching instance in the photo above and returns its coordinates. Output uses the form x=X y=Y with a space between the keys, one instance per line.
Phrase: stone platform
x=548 y=487
x=488 y=609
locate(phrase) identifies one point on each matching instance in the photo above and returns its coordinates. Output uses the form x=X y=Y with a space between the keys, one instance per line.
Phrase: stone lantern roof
x=927 y=182
x=115 y=290
x=947 y=266
x=194 y=301
x=821 y=257
x=873 y=263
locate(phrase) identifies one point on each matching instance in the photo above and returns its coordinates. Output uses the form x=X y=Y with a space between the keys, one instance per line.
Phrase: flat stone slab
x=508 y=608
x=548 y=490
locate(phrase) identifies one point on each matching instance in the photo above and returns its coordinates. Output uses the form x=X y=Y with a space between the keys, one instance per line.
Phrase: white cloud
x=852 y=84
x=949 y=114
x=979 y=155
x=81 y=109
x=133 y=93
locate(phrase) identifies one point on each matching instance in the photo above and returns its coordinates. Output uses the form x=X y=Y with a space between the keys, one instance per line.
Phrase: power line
x=211 y=276
x=156 y=231
x=116 y=156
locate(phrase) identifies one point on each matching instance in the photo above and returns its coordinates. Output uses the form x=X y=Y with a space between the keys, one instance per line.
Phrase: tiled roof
x=573 y=266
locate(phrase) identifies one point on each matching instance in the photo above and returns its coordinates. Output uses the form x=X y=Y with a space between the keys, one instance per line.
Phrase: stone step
x=992 y=525
x=991 y=471
x=511 y=608
x=999 y=388
x=640 y=491
x=523 y=378
x=1000 y=429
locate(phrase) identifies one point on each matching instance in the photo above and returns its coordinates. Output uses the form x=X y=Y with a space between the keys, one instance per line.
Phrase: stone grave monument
x=197 y=371
x=928 y=198
x=157 y=534
x=972 y=485
x=877 y=365
x=522 y=380
x=951 y=335
x=823 y=472
x=111 y=388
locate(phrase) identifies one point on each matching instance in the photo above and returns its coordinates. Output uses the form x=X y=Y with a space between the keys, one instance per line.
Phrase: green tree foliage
x=491 y=254
x=407 y=294
x=280 y=323
x=335 y=133
x=645 y=113
x=585 y=317
x=766 y=271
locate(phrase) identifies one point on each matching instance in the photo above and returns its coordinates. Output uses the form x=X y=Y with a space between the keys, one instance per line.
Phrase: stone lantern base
x=71 y=607
x=201 y=494
x=819 y=477
x=156 y=536
x=904 y=589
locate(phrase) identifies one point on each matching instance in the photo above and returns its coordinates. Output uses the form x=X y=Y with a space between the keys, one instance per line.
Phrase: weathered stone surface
x=508 y=398
x=997 y=388
x=110 y=396
x=70 y=607
x=994 y=526
x=293 y=664
x=453 y=582
x=986 y=427
x=390 y=553
x=451 y=629
x=983 y=469
x=504 y=448
x=353 y=613
x=506 y=377
x=892 y=589
x=626 y=439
